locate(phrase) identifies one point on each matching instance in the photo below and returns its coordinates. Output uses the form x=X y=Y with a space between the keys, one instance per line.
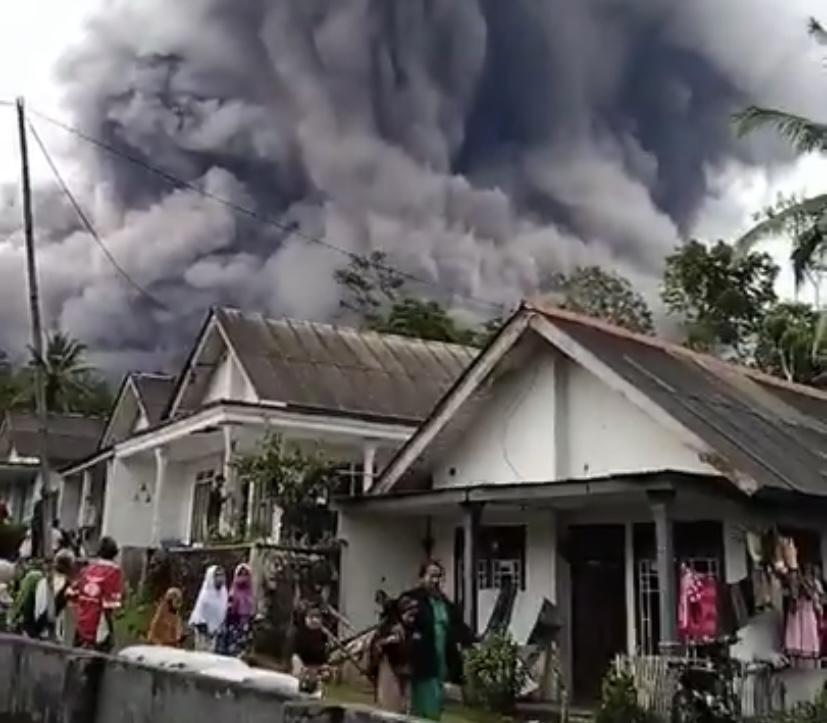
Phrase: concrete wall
x=45 y=683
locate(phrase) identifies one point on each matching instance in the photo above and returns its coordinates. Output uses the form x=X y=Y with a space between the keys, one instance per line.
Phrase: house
x=579 y=460
x=69 y=437
x=356 y=395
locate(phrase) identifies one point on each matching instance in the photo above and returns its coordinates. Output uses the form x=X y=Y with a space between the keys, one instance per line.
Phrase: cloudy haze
x=482 y=144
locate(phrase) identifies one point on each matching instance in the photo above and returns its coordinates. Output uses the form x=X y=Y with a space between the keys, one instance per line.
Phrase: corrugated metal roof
x=154 y=391
x=338 y=369
x=71 y=436
x=771 y=430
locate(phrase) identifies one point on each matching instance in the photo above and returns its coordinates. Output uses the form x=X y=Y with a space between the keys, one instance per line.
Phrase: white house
x=581 y=460
x=69 y=437
x=357 y=395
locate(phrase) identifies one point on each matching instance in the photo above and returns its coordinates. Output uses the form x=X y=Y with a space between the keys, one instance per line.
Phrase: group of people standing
x=93 y=594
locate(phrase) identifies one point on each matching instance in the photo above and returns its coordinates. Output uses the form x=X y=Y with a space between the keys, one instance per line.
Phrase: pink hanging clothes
x=801 y=633
x=697 y=606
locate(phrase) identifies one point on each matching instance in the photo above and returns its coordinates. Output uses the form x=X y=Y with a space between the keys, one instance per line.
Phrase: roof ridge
x=672 y=348
x=152 y=375
x=343 y=328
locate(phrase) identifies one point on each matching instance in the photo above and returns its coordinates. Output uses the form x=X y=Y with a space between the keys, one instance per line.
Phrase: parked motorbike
x=705 y=691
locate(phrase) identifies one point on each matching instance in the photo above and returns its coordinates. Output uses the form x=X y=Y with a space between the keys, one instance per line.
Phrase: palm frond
x=805 y=253
x=803 y=134
x=817 y=31
x=776 y=224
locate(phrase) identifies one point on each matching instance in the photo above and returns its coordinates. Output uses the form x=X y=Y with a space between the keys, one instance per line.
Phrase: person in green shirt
x=438 y=637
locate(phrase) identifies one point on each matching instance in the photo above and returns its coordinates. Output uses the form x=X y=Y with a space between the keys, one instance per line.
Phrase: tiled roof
x=336 y=369
x=70 y=436
x=154 y=391
x=772 y=430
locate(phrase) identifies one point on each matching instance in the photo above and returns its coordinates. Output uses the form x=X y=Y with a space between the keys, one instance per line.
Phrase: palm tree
x=805 y=219
x=71 y=384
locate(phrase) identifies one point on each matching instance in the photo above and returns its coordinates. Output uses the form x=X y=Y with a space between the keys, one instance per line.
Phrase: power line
x=87 y=223
x=288 y=229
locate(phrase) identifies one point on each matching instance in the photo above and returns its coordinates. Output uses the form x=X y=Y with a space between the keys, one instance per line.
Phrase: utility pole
x=47 y=496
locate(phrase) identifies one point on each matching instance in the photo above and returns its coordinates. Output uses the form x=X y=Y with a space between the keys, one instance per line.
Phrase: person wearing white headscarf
x=210 y=611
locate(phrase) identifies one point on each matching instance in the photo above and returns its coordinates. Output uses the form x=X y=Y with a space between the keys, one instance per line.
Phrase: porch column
x=229 y=522
x=85 y=494
x=472 y=514
x=661 y=504
x=157 y=499
x=368 y=467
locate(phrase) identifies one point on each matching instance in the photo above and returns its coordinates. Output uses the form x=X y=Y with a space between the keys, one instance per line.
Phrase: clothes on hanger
x=697 y=605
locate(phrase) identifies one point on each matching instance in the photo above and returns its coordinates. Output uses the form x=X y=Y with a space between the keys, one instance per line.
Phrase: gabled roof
x=139 y=393
x=325 y=368
x=70 y=436
x=757 y=429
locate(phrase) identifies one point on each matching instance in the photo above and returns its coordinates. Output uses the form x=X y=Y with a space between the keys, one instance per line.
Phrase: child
x=390 y=655
x=210 y=611
x=309 y=657
x=235 y=635
x=166 y=627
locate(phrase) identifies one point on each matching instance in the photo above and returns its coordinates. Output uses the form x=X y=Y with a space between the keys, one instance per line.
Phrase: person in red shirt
x=97 y=595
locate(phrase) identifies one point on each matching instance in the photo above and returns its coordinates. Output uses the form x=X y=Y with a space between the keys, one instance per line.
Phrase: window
x=350 y=477
x=199 y=526
x=500 y=556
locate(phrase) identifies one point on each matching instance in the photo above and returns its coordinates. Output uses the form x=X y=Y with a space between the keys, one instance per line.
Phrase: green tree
x=591 y=291
x=379 y=296
x=720 y=296
x=298 y=482
x=809 y=214
x=71 y=383
x=789 y=344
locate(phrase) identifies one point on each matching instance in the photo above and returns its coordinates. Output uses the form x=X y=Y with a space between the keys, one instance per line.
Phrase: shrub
x=618 y=700
x=494 y=673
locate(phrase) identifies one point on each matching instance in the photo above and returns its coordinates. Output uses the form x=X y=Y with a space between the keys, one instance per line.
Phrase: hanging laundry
x=802 y=631
x=697 y=606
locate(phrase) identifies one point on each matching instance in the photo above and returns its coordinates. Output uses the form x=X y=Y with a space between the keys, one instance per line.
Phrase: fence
x=759 y=689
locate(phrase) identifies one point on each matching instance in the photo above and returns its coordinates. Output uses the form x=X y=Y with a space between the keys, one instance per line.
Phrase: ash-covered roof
x=337 y=369
x=154 y=391
x=71 y=437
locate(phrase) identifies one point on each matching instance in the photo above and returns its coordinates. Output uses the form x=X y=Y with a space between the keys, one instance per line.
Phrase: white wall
x=379 y=554
x=127 y=511
x=525 y=433
x=229 y=382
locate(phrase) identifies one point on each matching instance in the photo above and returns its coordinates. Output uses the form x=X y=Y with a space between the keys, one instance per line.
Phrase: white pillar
x=228 y=522
x=85 y=492
x=629 y=562
x=368 y=467
x=157 y=499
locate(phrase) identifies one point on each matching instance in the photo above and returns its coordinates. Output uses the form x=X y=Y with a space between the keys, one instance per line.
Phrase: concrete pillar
x=85 y=494
x=228 y=523
x=368 y=467
x=661 y=504
x=629 y=585
x=158 y=495
x=472 y=514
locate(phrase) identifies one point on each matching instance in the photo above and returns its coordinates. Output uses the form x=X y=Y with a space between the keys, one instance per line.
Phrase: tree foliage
x=805 y=136
x=298 y=482
x=71 y=383
x=789 y=344
x=721 y=297
x=379 y=296
x=605 y=295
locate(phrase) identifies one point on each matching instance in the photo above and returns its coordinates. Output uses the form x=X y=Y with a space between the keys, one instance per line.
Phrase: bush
x=618 y=700
x=494 y=673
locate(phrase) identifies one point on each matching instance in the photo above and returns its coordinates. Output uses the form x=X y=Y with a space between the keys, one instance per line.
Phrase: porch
x=603 y=552
x=155 y=486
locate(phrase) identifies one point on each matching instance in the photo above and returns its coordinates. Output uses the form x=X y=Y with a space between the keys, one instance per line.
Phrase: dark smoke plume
x=483 y=144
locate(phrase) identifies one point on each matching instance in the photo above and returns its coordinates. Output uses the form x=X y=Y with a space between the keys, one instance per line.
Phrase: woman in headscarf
x=390 y=655
x=235 y=635
x=166 y=627
x=25 y=619
x=210 y=611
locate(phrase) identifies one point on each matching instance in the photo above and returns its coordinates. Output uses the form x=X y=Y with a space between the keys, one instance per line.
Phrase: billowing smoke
x=483 y=144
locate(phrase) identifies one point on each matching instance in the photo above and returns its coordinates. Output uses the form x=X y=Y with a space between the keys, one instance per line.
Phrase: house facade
x=69 y=437
x=580 y=462
x=355 y=396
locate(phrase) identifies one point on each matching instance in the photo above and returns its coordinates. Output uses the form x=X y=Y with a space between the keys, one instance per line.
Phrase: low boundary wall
x=45 y=683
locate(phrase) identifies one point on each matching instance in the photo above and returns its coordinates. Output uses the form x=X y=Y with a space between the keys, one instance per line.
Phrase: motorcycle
x=705 y=691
